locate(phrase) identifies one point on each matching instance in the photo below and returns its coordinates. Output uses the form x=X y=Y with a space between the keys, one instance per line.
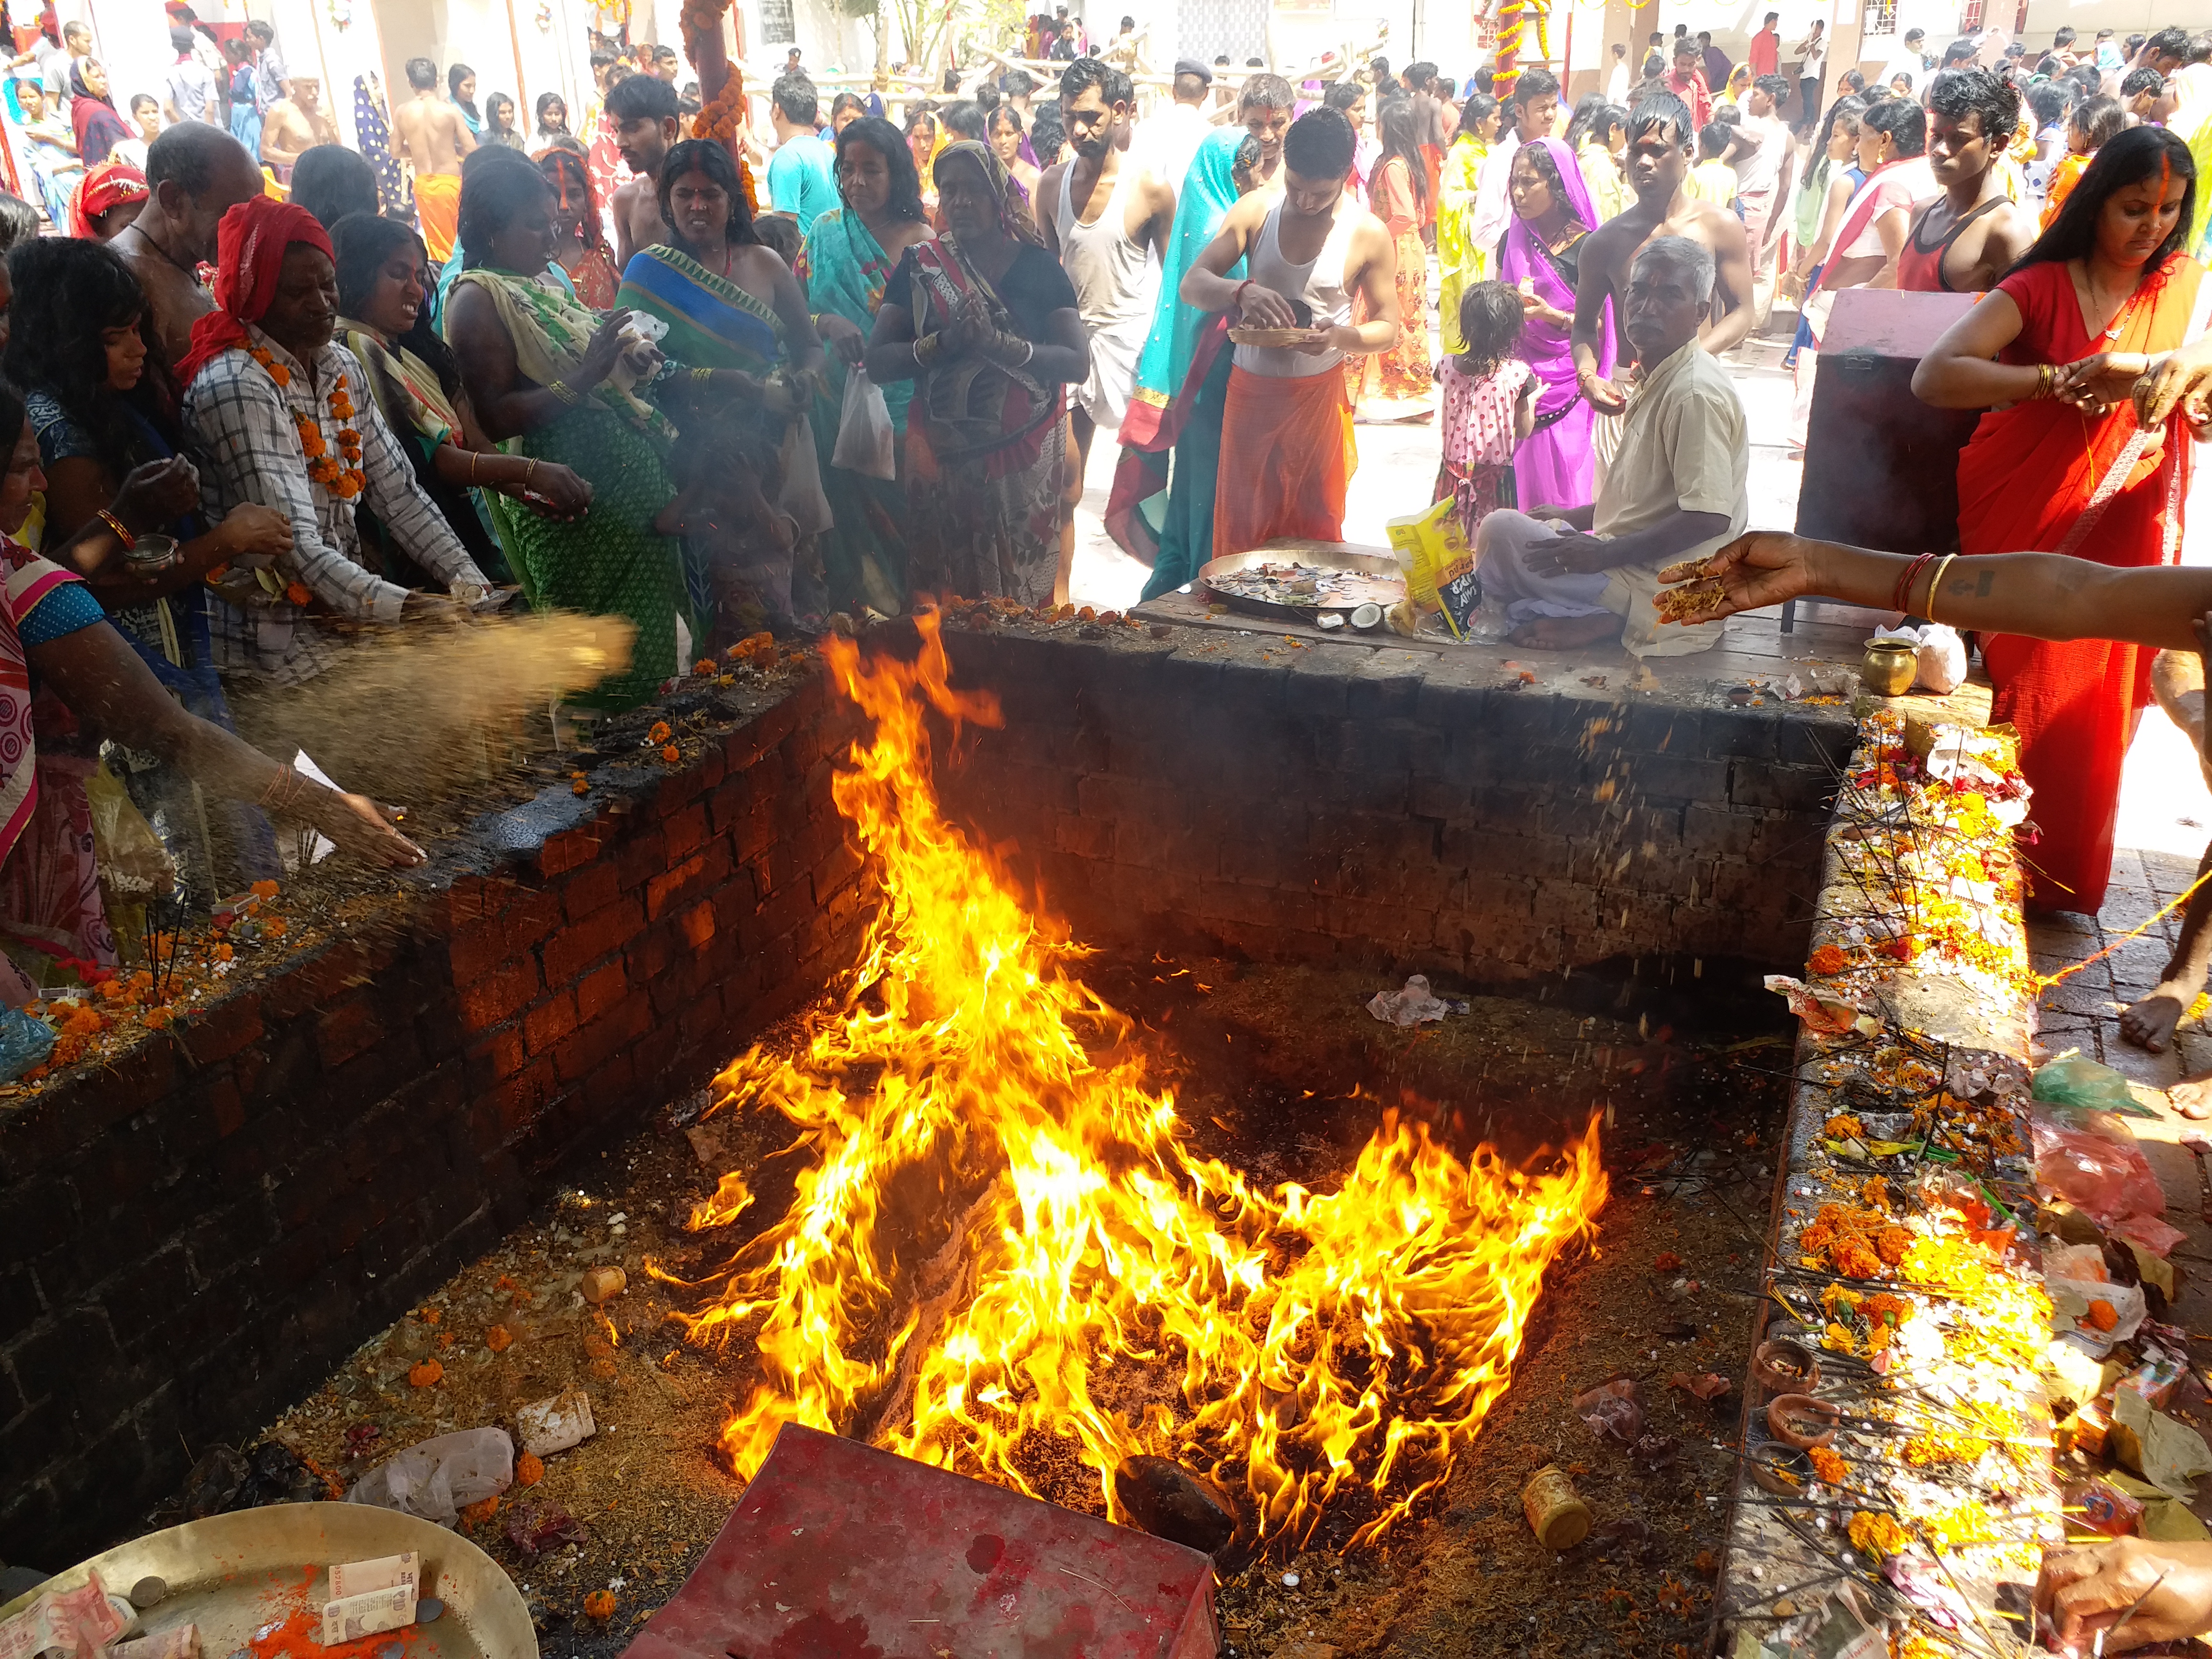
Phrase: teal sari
x=1169 y=410
x=863 y=553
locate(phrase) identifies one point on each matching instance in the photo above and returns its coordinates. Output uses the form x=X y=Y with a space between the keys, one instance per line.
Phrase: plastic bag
x=1942 y=660
x=2103 y=1178
x=2074 y=1081
x=24 y=1043
x=435 y=1479
x=866 y=443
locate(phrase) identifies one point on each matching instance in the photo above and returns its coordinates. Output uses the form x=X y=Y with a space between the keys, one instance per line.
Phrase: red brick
x=599 y=990
x=568 y=952
x=550 y=1021
x=493 y=997
x=568 y=850
x=730 y=803
x=592 y=888
x=685 y=830
x=521 y=1097
x=637 y=860
x=649 y=955
x=505 y=1049
x=350 y=1028
x=223 y=1031
x=226 y=1106
x=699 y=924
x=669 y=884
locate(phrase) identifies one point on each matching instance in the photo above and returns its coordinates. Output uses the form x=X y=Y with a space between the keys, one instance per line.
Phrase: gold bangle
x=1944 y=564
x=562 y=390
x=472 y=466
x=702 y=377
x=530 y=474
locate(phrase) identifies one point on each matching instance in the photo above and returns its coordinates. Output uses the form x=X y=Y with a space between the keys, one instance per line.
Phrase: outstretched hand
x=2085 y=1594
x=1757 y=569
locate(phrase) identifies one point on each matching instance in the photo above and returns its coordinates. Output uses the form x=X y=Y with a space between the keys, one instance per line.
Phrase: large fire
x=1002 y=1256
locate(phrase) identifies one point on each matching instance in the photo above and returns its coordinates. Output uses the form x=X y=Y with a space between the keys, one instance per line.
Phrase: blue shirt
x=799 y=179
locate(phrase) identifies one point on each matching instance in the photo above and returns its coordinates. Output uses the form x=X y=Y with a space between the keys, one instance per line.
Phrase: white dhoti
x=1502 y=544
x=1104 y=395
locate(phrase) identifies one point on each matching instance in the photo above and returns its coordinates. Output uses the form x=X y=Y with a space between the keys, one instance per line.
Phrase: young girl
x=1490 y=405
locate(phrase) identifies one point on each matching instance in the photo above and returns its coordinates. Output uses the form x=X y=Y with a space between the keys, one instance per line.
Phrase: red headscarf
x=249 y=257
x=111 y=185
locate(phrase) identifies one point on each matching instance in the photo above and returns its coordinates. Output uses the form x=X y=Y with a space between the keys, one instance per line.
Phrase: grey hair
x=1681 y=253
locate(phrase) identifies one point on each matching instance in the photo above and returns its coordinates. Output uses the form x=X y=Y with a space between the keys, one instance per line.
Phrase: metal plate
x=1378 y=562
x=235 y=1575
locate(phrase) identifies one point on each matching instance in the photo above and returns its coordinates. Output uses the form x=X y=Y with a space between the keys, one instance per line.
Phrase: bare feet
x=2150 y=1022
x=1566 y=633
x=2193 y=1096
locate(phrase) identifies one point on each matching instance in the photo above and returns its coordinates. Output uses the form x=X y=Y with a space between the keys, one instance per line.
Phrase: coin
x=428 y=1610
x=147 y=1591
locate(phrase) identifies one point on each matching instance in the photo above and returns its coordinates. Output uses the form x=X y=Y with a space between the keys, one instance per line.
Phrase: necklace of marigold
x=347 y=480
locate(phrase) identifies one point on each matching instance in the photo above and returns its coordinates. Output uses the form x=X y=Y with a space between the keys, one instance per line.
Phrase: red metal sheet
x=839 y=1551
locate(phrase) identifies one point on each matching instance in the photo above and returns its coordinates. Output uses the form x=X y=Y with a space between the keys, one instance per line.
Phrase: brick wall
x=197 y=1234
x=1402 y=807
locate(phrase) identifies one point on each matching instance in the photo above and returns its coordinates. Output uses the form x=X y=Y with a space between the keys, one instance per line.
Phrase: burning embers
x=1002 y=1259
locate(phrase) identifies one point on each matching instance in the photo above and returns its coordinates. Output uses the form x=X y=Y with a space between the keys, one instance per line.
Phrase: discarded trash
x=1556 y=1514
x=1167 y=1501
x=540 y=1524
x=1826 y=1015
x=1708 y=1386
x=434 y=1479
x=2074 y=1081
x=604 y=1284
x=1289 y=1581
x=553 y=1426
x=1653 y=1451
x=1611 y=1410
x=212 y=1486
x=1413 y=1003
x=2105 y=1508
x=24 y=1043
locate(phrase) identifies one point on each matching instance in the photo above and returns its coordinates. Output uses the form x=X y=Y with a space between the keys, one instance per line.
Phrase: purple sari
x=1556 y=464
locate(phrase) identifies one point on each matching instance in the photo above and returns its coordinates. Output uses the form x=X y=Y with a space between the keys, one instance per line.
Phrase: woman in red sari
x=2060 y=465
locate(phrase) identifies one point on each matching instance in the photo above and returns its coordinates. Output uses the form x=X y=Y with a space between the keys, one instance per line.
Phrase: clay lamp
x=1800 y=1421
x=1781 y=1366
x=1781 y=1470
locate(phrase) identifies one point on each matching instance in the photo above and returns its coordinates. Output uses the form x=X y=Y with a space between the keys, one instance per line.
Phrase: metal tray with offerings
x=1298 y=580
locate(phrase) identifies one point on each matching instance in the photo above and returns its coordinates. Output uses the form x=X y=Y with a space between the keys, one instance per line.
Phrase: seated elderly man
x=1676 y=490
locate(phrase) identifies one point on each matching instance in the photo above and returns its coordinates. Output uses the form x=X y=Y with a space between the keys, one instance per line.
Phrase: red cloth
x=110 y=185
x=2075 y=704
x=1765 y=55
x=249 y=258
x=1286 y=461
x=1696 y=94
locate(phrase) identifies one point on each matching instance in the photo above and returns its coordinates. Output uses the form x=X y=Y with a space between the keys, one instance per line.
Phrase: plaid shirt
x=241 y=425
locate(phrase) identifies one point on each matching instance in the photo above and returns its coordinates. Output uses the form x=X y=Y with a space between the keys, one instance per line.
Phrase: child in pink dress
x=1490 y=405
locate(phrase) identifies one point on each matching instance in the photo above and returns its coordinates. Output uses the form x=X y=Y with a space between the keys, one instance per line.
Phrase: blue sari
x=845 y=269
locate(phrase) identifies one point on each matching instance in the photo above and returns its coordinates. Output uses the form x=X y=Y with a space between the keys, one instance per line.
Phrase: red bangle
x=122 y=535
x=1899 y=599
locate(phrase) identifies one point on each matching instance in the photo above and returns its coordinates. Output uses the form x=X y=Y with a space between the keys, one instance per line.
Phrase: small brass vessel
x=1889 y=668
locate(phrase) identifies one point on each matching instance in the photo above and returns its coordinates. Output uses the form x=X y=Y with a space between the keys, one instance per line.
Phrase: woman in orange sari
x=2060 y=465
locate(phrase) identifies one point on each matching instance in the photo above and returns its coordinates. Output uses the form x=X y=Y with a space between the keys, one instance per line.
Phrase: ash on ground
x=1282 y=1071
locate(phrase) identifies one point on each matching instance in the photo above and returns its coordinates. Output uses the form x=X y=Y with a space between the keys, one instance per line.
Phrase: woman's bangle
x=530 y=471
x=115 y=524
x=1900 y=598
x=1928 y=609
x=283 y=790
x=472 y=466
x=564 y=391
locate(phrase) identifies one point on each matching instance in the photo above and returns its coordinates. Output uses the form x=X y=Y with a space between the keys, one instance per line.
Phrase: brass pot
x=1889 y=668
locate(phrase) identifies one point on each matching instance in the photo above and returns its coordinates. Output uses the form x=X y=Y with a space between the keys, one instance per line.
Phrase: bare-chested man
x=433 y=138
x=195 y=174
x=295 y=124
x=1964 y=240
x=646 y=117
x=1264 y=110
x=1659 y=139
x=1105 y=216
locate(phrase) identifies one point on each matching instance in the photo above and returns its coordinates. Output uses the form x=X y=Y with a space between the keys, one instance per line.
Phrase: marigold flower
x=1828 y=1465
x=265 y=890
x=297 y=594
x=426 y=1374
x=600 y=1604
x=660 y=733
x=671 y=753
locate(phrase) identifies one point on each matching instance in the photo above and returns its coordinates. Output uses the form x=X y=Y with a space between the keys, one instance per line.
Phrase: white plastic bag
x=436 y=1478
x=1942 y=659
x=866 y=443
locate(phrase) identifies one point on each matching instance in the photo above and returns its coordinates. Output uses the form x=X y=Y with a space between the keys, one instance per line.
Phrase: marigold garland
x=345 y=481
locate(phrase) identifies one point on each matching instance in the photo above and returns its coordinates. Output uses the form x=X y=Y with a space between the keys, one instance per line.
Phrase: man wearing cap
x=1167 y=141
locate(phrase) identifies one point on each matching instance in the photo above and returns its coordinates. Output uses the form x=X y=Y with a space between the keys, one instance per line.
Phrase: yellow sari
x=1458 y=264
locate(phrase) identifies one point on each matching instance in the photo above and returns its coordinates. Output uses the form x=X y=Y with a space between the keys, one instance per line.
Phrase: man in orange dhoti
x=433 y=138
x=1287 y=449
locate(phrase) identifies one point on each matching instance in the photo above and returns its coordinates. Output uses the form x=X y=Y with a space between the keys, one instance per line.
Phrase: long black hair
x=881 y=137
x=1395 y=125
x=454 y=76
x=706 y=156
x=547 y=100
x=2139 y=154
x=362 y=243
x=67 y=293
x=496 y=184
x=1590 y=107
x=1479 y=106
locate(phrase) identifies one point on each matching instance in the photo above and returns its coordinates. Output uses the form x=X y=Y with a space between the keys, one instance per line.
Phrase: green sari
x=845 y=269
x=611 y=562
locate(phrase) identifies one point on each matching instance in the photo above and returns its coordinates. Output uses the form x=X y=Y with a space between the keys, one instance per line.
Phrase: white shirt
x=1756 y=174
x=1684 y=448
x=1493 y=197
x=1616 y=84
x=1167 y=143
x=1816 y=55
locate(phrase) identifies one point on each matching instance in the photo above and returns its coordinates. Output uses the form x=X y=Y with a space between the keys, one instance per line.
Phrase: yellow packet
x=1432 y=548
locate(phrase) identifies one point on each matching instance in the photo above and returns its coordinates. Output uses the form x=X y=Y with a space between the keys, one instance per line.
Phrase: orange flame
x=1002 y=1240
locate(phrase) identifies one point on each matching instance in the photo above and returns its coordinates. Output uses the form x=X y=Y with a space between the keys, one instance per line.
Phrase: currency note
x=353 y=1617
x=386 y=1572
